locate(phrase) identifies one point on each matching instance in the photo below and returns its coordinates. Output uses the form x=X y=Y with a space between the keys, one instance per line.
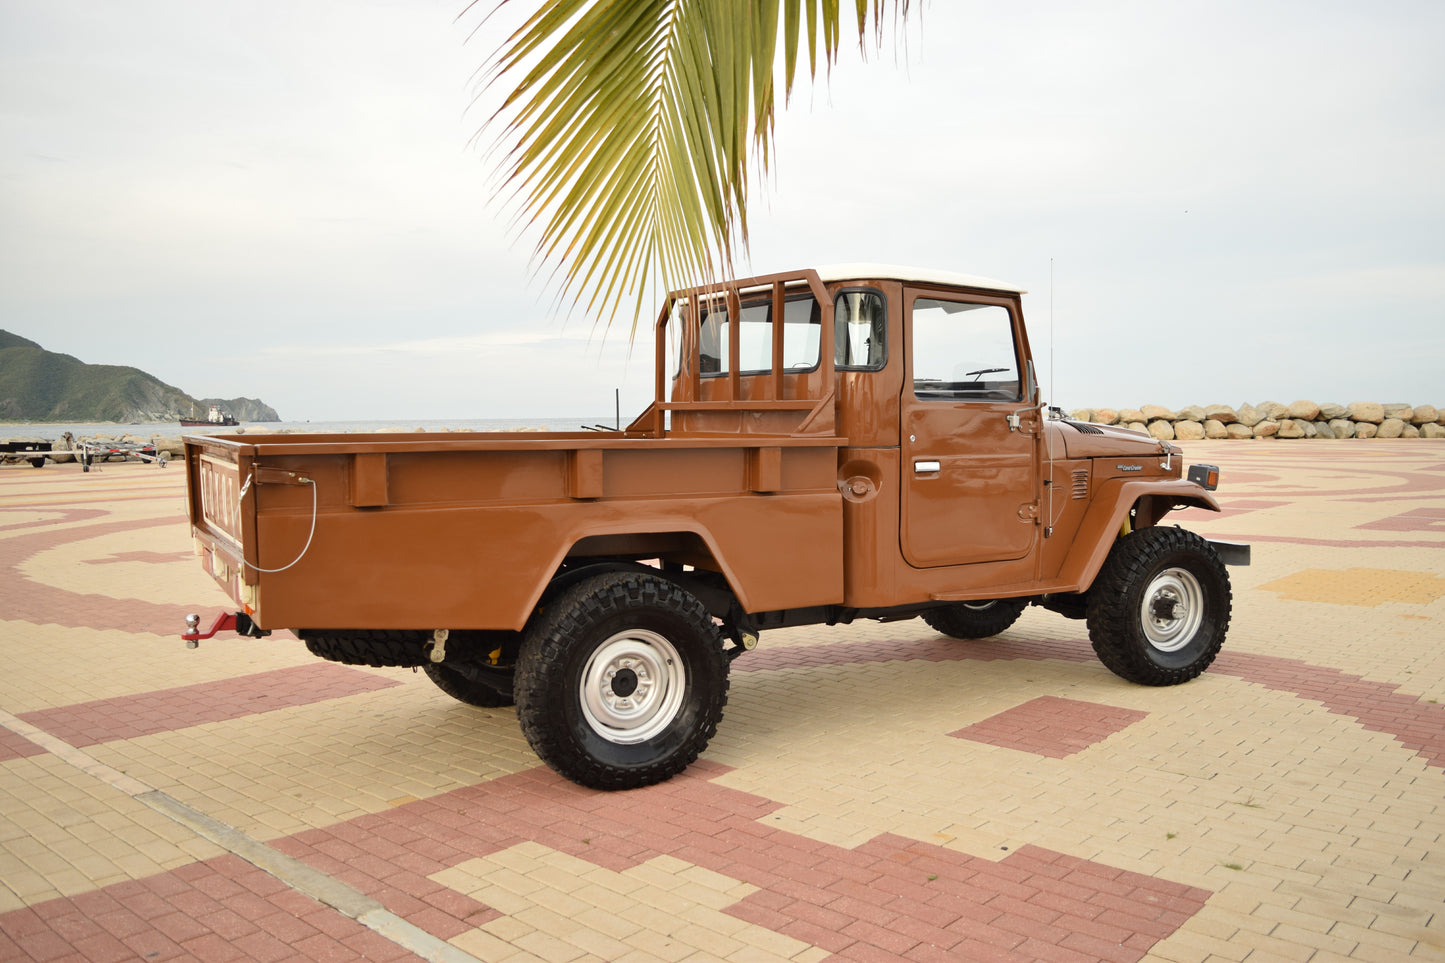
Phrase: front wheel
x=621 y=681
x=1160 y=607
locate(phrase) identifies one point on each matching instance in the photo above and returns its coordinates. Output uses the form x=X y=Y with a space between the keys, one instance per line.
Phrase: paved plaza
x=875 y=791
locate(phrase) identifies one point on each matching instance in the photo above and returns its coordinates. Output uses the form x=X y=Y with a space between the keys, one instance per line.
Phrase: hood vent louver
x=1084 y=428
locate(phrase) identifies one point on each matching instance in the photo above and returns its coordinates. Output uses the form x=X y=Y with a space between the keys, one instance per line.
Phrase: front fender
x=1112 y=502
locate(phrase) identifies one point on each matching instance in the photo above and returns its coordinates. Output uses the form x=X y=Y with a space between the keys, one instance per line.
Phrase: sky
x=1209 y=202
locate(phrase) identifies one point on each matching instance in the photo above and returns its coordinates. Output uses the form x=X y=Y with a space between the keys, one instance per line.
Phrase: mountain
x=38 y=386
x=242 y=409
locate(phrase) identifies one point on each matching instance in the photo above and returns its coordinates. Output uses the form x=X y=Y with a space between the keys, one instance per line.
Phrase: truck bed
x=464 y=530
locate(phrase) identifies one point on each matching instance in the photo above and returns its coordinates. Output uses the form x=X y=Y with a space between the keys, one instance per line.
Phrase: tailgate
x=213 y=492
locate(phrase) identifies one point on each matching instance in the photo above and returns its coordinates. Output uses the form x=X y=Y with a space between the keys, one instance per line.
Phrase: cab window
x=963 y=352
x=860 y=330
x=801 y=337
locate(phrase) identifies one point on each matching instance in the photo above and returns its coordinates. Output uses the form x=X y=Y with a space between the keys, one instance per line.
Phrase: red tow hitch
x=238 y=622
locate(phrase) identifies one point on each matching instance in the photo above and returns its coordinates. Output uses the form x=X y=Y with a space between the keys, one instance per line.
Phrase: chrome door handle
x=924 y=467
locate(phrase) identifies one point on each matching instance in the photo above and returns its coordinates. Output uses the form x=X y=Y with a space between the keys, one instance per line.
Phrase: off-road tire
x=374 y=647
x=975 y=620
x=597 y=646
x=1160 y=606
x=459 y=687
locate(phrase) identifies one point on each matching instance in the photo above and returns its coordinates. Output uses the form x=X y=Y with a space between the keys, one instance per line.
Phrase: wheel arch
x=1142 y=503
x=599 y=552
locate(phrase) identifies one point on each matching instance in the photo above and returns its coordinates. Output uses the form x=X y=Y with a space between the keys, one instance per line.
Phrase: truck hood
x=1081 y=440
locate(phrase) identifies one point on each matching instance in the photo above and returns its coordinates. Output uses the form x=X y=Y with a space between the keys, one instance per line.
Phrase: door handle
x=925 y=467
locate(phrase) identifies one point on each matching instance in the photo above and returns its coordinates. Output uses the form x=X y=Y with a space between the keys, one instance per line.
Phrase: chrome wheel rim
x=981 y=606
x=1172 y=609
x=632 y=687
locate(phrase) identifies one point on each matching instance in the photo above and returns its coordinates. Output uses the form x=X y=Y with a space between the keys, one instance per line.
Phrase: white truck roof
x=898 y=272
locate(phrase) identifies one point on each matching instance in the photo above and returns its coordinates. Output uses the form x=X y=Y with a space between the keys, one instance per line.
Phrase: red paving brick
x=1415 y=520
x=130 y=921
x=154 y=558
x=13 y=746
x=1051 y=726
x=56 y=516
x=165 y=710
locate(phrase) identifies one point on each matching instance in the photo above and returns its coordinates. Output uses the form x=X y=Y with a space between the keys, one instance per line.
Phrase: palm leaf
x=627 y=134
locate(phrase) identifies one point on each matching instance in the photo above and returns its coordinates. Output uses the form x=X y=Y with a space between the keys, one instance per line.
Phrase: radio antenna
x=1051 y=330
x=1043 y=420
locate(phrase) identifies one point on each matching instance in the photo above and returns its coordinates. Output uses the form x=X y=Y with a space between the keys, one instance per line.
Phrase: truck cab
x=956 y=482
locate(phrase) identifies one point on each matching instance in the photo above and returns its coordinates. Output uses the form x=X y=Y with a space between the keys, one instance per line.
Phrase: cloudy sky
x=1210 y=202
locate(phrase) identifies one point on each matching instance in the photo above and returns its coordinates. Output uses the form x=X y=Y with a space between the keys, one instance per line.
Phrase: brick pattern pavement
x=876 y=792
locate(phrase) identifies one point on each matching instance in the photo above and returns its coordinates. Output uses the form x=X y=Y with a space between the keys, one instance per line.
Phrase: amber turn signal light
x=1205 y=475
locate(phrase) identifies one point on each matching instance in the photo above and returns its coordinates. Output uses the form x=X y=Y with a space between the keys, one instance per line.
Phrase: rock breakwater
x=1270 y=419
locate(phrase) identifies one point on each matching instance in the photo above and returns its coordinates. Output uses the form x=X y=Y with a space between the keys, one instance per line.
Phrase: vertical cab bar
x=779 y=333
x=735 y=325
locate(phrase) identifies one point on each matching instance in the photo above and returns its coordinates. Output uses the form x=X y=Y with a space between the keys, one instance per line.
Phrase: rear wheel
x=621 y=681
x=975 y=620
x=1160 y=607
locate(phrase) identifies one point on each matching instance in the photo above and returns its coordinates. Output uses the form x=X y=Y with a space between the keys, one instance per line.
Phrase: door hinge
x=1029 y=513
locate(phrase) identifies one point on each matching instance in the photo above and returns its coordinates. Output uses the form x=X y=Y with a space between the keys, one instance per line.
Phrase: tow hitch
x=238 y=622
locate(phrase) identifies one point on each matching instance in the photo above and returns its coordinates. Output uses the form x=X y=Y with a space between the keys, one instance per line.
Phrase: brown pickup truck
x=855 y=442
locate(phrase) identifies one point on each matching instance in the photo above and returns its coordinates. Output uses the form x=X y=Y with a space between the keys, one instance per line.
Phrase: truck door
x=970 y=482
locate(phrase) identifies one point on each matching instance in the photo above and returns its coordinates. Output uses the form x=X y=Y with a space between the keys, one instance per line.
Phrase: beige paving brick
x=752 y=954
x=1368 y=941
x=1314 y=938
x=704 y=921
x=484 y=945
x=21 y=886
x=1281 y=953
x=647 y=945
x=711 y=944
x=509 y=929
x=1188 y=947
x=544 y=946
x=558 y=901
x=616 y=922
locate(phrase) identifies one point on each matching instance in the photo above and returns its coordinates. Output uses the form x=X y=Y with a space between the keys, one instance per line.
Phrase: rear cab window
x=802 y=322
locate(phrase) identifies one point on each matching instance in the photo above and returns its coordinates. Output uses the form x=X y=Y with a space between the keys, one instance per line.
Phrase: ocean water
x=170 y=429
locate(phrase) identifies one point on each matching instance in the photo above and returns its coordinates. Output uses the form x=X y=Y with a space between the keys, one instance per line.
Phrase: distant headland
x=38 y=386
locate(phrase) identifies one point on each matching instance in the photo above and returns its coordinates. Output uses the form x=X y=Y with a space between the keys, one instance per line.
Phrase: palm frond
x=627 y=135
